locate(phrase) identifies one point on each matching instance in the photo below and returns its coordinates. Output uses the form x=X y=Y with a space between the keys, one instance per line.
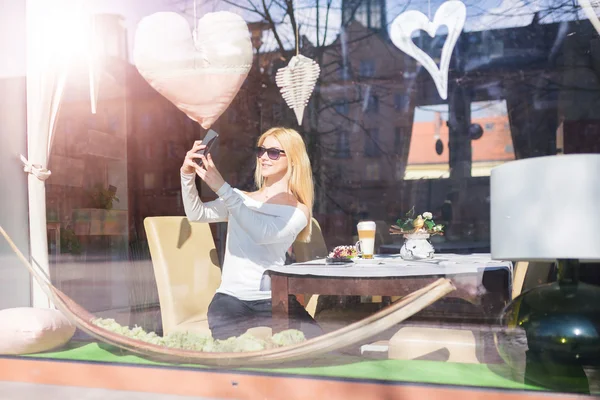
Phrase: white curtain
x=50 y=32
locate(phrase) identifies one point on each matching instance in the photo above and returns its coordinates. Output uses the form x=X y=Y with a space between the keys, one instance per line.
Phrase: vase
x=551 y=331
x=416 y=247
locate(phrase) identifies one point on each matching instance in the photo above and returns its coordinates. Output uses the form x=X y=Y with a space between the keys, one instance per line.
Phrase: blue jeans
x=229 y=316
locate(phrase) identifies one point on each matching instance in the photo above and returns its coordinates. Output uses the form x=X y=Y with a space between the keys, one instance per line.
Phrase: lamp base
x=552 y=331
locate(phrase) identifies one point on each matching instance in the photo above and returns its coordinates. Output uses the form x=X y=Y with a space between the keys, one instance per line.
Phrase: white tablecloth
x=394 y=266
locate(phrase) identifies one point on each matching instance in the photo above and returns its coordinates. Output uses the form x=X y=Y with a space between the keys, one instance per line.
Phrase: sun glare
x=61 y=37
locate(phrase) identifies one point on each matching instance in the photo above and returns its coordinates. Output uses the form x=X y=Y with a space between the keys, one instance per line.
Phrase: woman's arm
x=195 y=209
x=262 y=228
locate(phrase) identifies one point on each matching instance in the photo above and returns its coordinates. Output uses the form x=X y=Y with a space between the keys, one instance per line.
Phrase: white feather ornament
x=297 y=82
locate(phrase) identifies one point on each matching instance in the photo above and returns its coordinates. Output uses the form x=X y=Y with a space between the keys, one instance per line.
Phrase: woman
x=262 y=225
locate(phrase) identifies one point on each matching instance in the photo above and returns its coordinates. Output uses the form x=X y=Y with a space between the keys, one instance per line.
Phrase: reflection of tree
x=341 y=87
x=546 y=71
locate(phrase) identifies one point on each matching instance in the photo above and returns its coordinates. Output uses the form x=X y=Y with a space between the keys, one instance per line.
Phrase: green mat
x=339 y=366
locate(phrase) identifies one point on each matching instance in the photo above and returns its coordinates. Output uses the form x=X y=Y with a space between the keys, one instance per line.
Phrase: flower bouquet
x=422 y=223
x=416 y=231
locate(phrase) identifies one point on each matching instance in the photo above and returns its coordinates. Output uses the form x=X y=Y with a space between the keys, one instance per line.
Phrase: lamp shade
x=546 y=208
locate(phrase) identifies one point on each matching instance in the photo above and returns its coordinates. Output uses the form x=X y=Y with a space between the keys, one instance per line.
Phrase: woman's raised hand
x=207 y=172
x=189 y=163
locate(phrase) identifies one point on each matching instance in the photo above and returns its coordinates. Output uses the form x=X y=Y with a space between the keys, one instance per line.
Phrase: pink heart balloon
x=200 y=72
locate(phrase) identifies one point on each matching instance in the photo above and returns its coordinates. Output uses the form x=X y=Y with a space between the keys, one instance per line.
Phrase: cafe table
x=479 y=280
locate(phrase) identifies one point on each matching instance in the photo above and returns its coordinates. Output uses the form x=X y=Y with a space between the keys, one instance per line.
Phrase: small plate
x=338 y=261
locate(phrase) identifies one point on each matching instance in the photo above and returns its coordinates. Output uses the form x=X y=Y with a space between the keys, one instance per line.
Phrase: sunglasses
x=273 y=153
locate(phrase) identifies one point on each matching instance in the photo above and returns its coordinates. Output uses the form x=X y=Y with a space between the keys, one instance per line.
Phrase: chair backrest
x=315 y=248
x=186 y=267
x=527 y=275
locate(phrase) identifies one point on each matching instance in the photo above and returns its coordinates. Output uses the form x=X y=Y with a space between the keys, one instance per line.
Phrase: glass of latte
x=366 y=238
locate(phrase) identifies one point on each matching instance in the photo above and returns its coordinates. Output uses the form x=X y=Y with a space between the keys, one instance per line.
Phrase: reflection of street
x=124 y=290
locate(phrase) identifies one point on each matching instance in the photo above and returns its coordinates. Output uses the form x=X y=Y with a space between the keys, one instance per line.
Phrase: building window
x=400 y=101
x=399 y=172
x=398 y=140
x=372 y=143
x=170 y=181
x=277 y=112
x=149 y=180
x=342 y=107
x=172 y=150
x=489 y=126
x=338 y=174
x=343 y=145
x=366 y=12
x=372 y=105
x=344 y=71
x=148 y=151
x=374 y=14
x=361 y=15
x=367 y=68
x=372 y=172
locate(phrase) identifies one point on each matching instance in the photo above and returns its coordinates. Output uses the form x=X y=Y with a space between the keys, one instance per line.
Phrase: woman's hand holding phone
x=208 y=172
x=189 y=163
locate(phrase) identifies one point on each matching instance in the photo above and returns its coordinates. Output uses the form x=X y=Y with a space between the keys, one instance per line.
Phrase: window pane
x=522 y=83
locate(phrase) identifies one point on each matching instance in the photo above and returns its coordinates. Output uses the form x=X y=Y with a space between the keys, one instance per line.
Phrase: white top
x=258 y=235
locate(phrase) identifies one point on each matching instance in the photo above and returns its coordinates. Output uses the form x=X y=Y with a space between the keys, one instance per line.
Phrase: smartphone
x=209 y=140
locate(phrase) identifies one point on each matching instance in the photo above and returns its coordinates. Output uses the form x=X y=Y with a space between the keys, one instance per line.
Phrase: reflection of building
x=132 y=148
x=370 y=14
x=494 y=147
x=357 y=125
x=159 y=137
x=366 y=120
x=136 y=141
x=89 y=152
x=87 y=196
x=360 y=126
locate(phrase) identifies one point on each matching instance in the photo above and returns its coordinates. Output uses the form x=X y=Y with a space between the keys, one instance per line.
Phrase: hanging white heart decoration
x=451 y=14
x=591 y=9
x=297 y=82
x=200 y=72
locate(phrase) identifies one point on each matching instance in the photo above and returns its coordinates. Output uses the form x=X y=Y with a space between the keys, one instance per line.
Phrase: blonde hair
x=299 y=171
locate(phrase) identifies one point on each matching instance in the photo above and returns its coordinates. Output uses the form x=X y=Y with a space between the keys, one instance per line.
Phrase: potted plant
x=100 y=218
x=101 y=197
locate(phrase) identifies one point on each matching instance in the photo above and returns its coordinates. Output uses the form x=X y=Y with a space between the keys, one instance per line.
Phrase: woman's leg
x=300 y=319
x=228 y=316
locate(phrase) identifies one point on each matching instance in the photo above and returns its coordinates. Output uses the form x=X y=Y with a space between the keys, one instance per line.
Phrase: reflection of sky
x=481 y=15
x=479 y=109
x=132 y=11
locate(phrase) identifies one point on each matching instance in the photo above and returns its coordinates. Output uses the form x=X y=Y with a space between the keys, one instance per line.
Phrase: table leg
x=280 y=303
